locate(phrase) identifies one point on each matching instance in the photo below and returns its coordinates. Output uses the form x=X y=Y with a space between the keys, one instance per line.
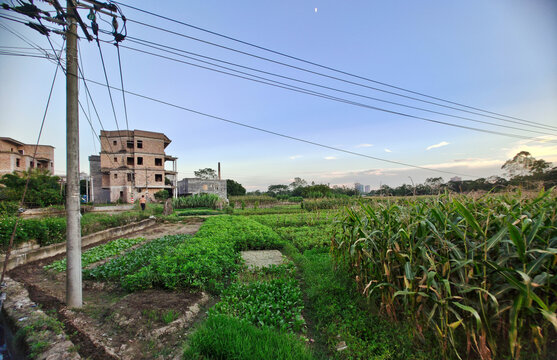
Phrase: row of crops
x=481 y=274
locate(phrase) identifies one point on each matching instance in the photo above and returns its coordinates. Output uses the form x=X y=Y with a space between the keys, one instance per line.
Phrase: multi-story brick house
x=17 y=156
x=131 y=164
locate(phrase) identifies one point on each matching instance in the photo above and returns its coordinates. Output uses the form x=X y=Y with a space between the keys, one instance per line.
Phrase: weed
x=169 y=316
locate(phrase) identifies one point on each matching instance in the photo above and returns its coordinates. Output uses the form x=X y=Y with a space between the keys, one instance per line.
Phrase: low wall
x=21 y=258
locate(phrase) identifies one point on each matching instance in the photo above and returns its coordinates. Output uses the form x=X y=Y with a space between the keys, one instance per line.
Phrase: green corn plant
x=475 y=271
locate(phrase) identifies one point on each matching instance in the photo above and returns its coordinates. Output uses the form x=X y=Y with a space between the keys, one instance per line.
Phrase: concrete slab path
x=262 y=258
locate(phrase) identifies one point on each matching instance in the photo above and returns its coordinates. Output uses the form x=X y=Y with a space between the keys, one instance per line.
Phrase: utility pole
x=74 y=297
x=71 y=19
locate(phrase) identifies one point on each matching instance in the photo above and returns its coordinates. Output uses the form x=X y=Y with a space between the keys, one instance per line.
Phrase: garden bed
x=115 y=324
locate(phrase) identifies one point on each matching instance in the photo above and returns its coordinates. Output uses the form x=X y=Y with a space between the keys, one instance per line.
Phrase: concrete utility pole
x=73 y=230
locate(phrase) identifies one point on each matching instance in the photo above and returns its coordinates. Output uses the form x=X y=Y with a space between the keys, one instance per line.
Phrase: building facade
x=194 y=186
x=17 y=156
x=131 y=164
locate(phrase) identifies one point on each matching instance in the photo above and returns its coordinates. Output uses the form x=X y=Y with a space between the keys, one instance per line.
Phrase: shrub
x=46 y=231
x=162 y=195
x=8 y=208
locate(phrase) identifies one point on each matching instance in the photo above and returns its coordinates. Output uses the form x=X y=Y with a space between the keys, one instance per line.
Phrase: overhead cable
x=165 y=49
x=493 y=115
x=277 y=133
x=322 y=95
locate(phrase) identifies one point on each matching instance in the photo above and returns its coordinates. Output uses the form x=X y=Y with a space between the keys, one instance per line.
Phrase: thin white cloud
x=388 y=150
x=364 y=145
x=330 y=157
x=294 y=157
x=441 y=144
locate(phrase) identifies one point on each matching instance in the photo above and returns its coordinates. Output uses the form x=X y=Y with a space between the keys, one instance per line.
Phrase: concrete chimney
x=219 y=171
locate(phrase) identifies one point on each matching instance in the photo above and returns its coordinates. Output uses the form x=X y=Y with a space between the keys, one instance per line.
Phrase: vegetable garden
x=427 y=278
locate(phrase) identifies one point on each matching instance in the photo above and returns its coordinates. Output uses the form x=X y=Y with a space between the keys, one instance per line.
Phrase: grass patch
x=338 y=314
x=224 y=337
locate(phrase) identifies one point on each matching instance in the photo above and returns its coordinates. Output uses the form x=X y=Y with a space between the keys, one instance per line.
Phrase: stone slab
x=262 y=258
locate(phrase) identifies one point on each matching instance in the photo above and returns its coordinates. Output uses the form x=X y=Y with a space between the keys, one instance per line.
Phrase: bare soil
x=114 y=324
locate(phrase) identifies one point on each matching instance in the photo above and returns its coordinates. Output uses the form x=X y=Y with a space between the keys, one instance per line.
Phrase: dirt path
x=113 y=324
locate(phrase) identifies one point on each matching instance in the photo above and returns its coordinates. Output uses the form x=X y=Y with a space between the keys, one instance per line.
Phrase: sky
x=498 y=55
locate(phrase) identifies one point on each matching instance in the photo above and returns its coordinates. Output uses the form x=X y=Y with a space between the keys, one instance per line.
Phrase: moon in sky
x=315 y=9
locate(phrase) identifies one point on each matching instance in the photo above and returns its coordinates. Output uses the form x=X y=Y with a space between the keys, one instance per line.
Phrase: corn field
x=478 y=273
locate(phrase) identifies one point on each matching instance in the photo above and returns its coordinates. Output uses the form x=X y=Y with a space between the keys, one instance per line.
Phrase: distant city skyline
x=498 y=55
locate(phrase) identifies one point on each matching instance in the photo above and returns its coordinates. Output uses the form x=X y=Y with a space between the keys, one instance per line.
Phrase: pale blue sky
x=496 y=55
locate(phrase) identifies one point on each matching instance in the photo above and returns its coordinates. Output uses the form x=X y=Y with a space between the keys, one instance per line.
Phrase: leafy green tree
x=298 y=183
x=275 y=190
x=207 y=174
x=523 y=164
x=43 y=189
x=234 y=189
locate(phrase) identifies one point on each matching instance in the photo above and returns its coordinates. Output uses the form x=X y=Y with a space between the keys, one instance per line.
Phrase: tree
x=275 y=190
x=523 y=164
x=207 y=174
x=434 y=183
x=297 y=183
x=234 y=189
x=43 y=189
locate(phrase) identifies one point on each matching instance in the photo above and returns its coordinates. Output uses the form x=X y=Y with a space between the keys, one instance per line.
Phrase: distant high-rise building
x=359 y=188
x=368 y=188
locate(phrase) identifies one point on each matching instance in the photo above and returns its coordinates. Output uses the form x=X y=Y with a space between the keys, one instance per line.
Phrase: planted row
x=97 y=253
x=121 y=267
x=466 y=268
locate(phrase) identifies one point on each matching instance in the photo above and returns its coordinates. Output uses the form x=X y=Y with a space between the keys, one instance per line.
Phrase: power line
x=323 y=67
x=158 y=47
x=277 y=133
x=322 y=95
x=122 y=84
x=22 y=202
x=109 y=92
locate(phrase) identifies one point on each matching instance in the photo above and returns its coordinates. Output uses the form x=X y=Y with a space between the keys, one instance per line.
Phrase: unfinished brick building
x=131 y=164
x=17 y=156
